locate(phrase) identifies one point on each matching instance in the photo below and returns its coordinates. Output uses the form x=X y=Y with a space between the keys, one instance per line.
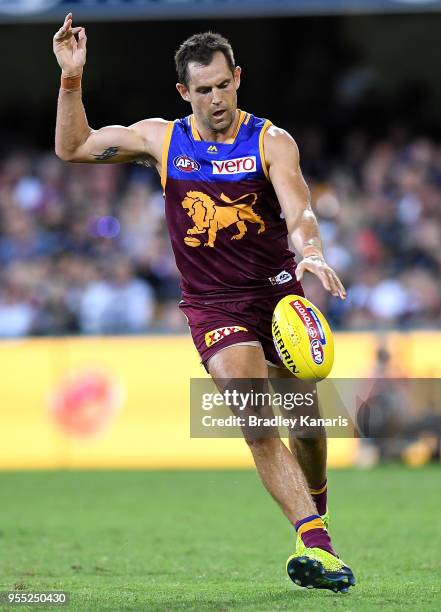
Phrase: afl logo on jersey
x=186 y=164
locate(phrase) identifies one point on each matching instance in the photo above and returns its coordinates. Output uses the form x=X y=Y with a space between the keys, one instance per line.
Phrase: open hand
x=329 y=279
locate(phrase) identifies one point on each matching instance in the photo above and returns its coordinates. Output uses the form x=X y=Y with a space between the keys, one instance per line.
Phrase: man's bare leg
x=316 y=565
x=311 y=453
x=278 y=468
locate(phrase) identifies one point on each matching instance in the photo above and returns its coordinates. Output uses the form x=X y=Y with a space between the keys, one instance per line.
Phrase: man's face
x=212 y=92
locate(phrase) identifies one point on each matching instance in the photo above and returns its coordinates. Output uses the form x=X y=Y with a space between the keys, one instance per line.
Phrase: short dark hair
x=200 y=48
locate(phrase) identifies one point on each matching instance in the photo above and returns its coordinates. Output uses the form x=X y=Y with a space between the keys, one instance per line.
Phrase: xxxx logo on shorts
x=222 y=332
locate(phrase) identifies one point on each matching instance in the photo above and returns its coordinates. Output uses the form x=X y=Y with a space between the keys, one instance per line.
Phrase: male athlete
x=233 y=191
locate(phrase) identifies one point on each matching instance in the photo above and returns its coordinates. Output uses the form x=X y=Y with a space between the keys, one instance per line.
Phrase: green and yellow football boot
x=318 y=569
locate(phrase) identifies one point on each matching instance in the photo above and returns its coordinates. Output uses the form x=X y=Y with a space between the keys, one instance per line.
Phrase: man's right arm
x=75 y=140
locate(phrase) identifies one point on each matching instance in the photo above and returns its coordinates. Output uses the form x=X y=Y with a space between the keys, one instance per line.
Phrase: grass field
x=213 y=540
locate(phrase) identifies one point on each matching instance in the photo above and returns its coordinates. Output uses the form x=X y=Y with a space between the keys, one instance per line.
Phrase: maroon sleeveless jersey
x=226 y=226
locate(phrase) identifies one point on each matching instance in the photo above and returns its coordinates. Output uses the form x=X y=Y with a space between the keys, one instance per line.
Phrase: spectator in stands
x=116 y=302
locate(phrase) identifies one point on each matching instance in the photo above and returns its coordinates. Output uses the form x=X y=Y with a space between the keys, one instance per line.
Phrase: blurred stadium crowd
x=84 y=248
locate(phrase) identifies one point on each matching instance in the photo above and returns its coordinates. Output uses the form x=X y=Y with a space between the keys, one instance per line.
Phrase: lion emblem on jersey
x=209 y=217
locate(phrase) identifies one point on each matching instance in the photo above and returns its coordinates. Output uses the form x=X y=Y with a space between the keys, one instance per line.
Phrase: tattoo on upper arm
x=107 y=153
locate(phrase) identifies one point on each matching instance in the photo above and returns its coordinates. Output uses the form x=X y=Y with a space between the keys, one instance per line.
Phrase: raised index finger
x=67 y=23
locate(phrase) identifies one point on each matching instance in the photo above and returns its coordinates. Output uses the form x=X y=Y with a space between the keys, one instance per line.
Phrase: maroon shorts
x=215 y=326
